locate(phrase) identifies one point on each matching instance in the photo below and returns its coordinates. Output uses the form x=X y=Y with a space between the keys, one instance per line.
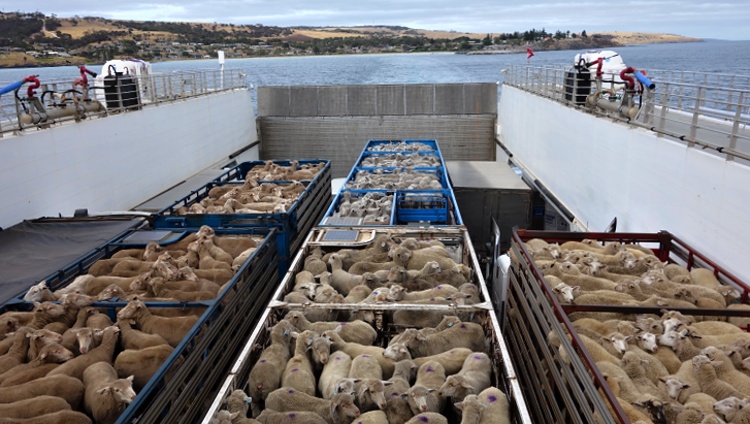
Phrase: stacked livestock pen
x=396 y=194
x=217 y=302
x=565 y=352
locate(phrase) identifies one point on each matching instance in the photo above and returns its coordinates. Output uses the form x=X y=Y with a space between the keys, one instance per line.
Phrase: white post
x=221 y=65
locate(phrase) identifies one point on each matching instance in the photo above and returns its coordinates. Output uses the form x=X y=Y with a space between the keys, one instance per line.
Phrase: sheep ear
x=362 y=390
x=130 y=378
x=43 y=355
x=459 y=405
x=387 y=383
x=431 y=390
x=104 y=390
x=466 y=385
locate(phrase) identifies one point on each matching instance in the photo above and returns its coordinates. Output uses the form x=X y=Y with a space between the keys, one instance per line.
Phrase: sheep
x=705 y=278
x=472 y=379
x=338 y=410
x=39 y=293
x=728 y=407
x=421 y=396
x=17 y=353
x=30 y=408
x=142 y=364
x=704 y=401
x=628 y=390
x=64 y=416
x=399 y=294
x=358 y=293
x=571 y=275
x=173 y=330
x=397 y=408
x=369 y=390
x=726 y=371
x=353 y=331
x=131 y=338
x=356 y=349
x=303 y=417
x=104 y=352
x=265 y=376
x=674 y=387
x=372 y=417
x=428 y=418
x=337 y=367
x=491 y=406
x=298 y=373
x=380 y=244
x=635 y=367
x=466 y=334
x=64 y=386
x=705 y=373
x=50 y=356
x=106 y=396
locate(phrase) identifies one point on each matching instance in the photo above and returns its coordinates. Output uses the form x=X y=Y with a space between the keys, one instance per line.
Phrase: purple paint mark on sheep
x=424 y=419
x=342 y=324
x=262 y=360
x=430 y=369
x=294 y=370
x=463 y=325
x=290 y=391
x=337 y=358
x=477 y=357
x=292 y=415
x=492 y=398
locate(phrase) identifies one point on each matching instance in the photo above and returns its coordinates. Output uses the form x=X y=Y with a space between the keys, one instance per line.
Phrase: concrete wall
x=600 y=170
x=117 y=162
x=334 y=122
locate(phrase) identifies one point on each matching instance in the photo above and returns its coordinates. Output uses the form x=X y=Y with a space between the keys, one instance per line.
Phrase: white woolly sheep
x=58 y=417
x=64 y=386
x=727 y=408
x=172 y=329
x=397 y=408
x=131 y=338
x=265 y=376
x=466 y=334
x=726 y=371
x=337 y=367
x=298 y=373
x=30 y=408
x=104 y=352
x=428 y=418
x=705 y=373
x=422 y=396
x=472 y=379
x=339 y=409
x=489 y=407
x=356 y=349
x=142 y=364
x=106 y=396
x=50 y=356
x=353 y=331
x=302 y=417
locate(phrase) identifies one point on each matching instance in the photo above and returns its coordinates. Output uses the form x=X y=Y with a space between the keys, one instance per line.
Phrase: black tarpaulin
x=33 y=250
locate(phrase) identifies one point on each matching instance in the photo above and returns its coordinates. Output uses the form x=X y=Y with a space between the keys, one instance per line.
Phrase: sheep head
x=121 y=390
x=343 y=403
x=36 y=292
x=132 y=310
x=55 y=353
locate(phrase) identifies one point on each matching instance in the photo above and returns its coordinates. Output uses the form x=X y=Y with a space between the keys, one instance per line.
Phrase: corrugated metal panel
x=391 y=99
x=332 y=101
x=371 y=100
x=340 y=139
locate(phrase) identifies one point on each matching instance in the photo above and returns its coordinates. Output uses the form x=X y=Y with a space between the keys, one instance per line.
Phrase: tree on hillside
x=487 y=40
x=583 y=34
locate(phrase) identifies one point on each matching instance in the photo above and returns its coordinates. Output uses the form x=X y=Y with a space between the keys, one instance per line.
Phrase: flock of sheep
x=668 y=368
x=400 y=146
x=260 y=193
x=67 y=361
x=372 y=207
x=354 y=364
x=395 y=179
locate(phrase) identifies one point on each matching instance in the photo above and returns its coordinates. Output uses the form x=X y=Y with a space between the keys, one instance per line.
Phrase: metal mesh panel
x=340 y=139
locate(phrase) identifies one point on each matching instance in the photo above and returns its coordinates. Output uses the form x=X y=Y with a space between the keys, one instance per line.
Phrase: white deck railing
x=706 y=110
x=61 y=101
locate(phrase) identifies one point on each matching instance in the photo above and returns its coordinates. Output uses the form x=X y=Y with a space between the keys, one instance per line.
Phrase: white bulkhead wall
x=117 y=162
x=600 y=170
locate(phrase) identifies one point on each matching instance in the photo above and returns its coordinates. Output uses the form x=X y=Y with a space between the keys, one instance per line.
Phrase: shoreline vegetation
x=37 y=40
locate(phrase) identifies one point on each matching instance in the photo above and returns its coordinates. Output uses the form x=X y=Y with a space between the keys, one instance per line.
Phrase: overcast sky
x=725 y=19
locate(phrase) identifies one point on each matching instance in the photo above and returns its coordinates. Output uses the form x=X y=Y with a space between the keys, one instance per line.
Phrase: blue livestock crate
x=401 y=145
x=417 y=160
x=239 y=172
x=294 y=224
x=395 y=179
x=336 y=217
x=428 y=207
x=192 y=373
